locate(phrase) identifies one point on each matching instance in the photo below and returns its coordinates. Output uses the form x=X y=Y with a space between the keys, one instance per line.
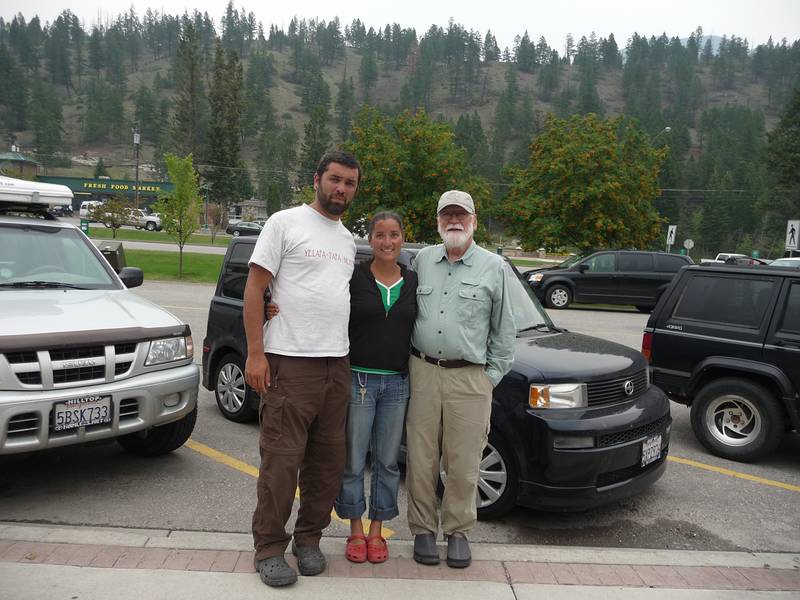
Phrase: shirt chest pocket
x=473 y=300
x=424 y=300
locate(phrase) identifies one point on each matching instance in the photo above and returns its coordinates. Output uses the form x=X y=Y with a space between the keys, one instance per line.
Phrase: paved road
x=706 y=503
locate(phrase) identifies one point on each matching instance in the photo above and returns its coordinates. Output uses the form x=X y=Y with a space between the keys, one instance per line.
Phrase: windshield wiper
x=541 y=327
x=42 y=284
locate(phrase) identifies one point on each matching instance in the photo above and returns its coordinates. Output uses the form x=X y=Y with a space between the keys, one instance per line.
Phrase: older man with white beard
x=463 y=344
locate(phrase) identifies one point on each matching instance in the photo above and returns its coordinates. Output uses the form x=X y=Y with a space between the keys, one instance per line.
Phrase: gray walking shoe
x=310 y=559
x=425 y=551
x=276 y=572
x=458 y=553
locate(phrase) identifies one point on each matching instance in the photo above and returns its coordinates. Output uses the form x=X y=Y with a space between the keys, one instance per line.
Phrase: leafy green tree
x=180 y=212
x=590 y=184
x=113 y=213
x=100 y=169
x=408 y=161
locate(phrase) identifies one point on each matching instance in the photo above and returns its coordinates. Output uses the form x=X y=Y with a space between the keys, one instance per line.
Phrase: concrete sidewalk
x=91 y=563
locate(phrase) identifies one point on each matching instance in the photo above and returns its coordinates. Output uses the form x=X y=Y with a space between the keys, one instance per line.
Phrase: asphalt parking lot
x=702 y=503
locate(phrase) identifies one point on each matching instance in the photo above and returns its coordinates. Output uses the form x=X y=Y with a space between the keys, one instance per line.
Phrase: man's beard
x=330 y=207
x=454 y=239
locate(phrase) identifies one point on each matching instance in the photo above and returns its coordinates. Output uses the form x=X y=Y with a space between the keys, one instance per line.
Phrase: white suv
x=82 y=358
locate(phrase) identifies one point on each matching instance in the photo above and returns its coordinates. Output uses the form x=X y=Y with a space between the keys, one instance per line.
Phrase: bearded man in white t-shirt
x=299 y=364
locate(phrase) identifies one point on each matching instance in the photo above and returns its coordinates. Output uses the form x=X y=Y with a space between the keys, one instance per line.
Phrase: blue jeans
x=375 y=423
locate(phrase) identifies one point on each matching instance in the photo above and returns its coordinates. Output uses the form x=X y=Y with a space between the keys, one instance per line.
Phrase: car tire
x=236 y=233
x=558 y=296
x=230 y=390
x=737 y=419
x=150 y=226
x=160 y=440
x=498 y=479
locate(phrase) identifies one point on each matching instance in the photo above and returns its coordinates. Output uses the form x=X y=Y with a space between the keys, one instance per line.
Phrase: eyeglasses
x=458 y=214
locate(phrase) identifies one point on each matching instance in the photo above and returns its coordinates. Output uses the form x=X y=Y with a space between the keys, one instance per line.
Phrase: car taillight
x=647 y=345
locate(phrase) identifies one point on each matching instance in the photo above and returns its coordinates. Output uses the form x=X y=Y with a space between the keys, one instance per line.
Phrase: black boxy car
x=607 y=277
x=575 y=423
x=725 y=340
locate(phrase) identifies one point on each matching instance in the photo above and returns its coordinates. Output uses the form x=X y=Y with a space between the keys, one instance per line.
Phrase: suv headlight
x=169 y=349
x=537 y=277
x=562 y=395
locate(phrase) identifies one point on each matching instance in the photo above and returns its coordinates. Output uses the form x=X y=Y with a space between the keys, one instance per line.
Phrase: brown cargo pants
x=302 y=420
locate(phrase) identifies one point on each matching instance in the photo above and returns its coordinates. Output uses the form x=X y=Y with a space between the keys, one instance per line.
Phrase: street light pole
x=666 y=129
x=136 y=141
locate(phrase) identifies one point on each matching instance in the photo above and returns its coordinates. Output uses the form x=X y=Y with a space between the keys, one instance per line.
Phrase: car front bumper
x=559 y=479
x=137 y=403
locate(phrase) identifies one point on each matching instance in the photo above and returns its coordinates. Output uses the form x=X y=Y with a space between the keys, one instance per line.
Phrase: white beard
x=456 y=238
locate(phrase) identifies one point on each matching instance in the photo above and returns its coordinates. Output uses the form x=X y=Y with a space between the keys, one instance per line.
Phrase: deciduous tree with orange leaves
x=590 y=184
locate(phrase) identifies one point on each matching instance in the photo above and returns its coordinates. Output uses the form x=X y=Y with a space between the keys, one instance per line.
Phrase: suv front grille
x=623 y=437
x=613 y=390
x=64 y=366
x=24 y=424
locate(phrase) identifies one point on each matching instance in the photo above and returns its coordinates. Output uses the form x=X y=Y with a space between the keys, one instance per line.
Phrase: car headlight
x=562 y=395
x=169 y=349
x=537 y=277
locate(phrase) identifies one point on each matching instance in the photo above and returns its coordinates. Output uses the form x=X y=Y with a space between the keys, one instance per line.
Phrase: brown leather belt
x=447 y=364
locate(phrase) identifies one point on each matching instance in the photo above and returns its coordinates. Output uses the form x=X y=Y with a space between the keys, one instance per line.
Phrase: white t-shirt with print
x=311 y=258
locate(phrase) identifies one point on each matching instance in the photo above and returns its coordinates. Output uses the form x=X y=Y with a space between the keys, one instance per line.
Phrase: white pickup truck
x=142 y=220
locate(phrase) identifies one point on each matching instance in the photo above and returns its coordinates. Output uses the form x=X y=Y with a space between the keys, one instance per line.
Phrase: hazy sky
x=755 y=20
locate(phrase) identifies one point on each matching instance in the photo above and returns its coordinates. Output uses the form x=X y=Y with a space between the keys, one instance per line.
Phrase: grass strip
x=197 y=268
x=135 y=235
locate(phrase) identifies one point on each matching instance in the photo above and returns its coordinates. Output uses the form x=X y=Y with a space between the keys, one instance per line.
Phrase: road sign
x=793 y=235
x=688 y=243
x=671 y=235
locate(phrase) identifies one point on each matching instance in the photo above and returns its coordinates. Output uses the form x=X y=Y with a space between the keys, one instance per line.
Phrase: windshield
x=570 y=261
x=528 y=312
x=44 y=255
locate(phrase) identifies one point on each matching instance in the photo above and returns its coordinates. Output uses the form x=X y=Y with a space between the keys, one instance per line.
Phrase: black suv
x=607 y=277
x=575 y=423
x=725 y=340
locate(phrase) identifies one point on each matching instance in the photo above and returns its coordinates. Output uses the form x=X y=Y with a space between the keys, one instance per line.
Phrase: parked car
x=725 y=340
x=83 y=359
x=607 y=277
x=786 y=262
x=87 y=206
x=243 y=228
x=575 y=424
x=143 y=220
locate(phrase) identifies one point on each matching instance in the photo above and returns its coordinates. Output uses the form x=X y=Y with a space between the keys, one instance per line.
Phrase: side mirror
x=583 y=268
x=131 y=276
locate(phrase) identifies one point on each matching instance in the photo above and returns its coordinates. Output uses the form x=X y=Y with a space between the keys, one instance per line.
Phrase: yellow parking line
x=243 y=467
x=723 y=471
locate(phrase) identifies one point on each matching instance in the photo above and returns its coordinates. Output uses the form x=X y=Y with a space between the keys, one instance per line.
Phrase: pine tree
x=316 y=141
x=188 y=121
x=345 y=106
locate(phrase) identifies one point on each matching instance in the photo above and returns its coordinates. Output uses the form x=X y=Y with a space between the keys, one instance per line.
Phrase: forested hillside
x=256 y=105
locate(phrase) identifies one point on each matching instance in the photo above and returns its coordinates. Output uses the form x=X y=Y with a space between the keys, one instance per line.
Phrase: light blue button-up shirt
x=464 y=309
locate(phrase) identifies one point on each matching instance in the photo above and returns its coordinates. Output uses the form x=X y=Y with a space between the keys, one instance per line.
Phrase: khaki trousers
x=302 y=417
x=448 y=417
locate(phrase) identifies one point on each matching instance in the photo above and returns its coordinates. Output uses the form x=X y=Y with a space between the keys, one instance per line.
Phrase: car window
x=790 y=322
x=525 y=307
x=52 y=254
x=729 y=300
x=234 y=275
x=669 y=263
x=635 y=262
x=601 y=263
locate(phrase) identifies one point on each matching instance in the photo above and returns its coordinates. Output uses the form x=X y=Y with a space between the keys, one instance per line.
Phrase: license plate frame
x=651 y=450
x=84 y=411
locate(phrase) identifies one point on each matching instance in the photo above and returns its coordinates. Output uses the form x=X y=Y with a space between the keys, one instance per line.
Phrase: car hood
x=567 y=356
x=50 y=311
x=542 y=269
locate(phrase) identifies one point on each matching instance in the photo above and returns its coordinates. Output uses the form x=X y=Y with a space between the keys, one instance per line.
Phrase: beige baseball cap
x=456 y=198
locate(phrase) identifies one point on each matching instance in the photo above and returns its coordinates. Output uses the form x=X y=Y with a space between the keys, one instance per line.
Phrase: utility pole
x=136 y=140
